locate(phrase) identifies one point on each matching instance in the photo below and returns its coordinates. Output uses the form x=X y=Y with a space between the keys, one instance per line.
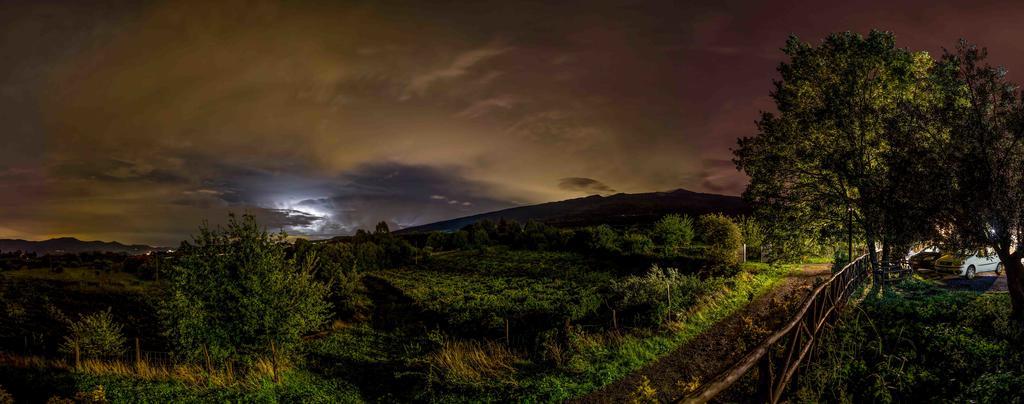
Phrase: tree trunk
x=872 y=255
x=1015 y=283
x=886 y=254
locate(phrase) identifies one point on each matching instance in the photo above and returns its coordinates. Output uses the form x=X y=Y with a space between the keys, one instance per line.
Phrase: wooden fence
x=796 y=339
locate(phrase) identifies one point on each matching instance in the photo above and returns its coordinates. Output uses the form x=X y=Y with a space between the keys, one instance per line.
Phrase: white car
x=970 y=264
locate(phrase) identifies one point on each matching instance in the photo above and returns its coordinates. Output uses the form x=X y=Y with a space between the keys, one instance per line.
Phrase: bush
x=97 y=336
x=437 y=241
x=917 y=342
x=673 y=232
x=753 y=234
x=337 y=266
x=600 y=239
x=723 y=239
x=637 y=244
x=237 y=293
x=660 y=294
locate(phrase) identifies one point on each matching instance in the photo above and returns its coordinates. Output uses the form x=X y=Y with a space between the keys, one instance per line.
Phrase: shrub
x=458 y=240
x=437 y=241
x=236 y=294
x=723 y=239
x=337 y=267
x=637 y=244
x=97 y=336
x=600 y=239
x=660 y=294
x=673 y=232
x=753 y=234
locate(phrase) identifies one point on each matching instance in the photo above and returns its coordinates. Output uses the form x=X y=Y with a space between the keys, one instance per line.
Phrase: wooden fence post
x=78 y=356
x=615 y=320
x=764 y=380
x=138 y=352
x=507 y=340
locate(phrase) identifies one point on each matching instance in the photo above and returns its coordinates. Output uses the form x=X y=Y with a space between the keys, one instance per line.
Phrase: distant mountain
x=71 y=245
x=614 y=210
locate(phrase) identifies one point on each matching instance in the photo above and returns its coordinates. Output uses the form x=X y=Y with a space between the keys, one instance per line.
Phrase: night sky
x=134 y=121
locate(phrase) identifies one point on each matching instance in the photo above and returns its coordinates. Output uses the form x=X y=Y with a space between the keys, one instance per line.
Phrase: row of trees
x=895 y=146
x=669 y=236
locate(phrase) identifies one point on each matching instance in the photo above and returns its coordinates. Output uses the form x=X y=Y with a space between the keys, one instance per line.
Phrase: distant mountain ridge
x=71 y=245
x=615 y=209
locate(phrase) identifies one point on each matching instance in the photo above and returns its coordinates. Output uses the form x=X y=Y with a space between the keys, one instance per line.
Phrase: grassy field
x=85 y=277
x=436 y=331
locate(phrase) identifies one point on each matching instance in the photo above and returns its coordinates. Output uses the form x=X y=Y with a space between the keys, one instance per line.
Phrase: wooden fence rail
x=796 y=339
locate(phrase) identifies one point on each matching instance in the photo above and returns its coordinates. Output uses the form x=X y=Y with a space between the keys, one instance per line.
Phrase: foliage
x=637 y=244
x=848 y=137
x=599 y=239
x=985 y=200
x=487 y=299
x=97 y=335
x=295 y=386
x=661 y=294
x=644 y=393
x=236 y=295
x=595 y=360
x=753 y=234
x=673 y=232
x=917 y=342
x=724 y=241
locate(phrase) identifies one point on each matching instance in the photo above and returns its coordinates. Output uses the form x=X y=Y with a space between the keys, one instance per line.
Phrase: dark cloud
x=585 y=185
x=117 y=170
x=138 y=120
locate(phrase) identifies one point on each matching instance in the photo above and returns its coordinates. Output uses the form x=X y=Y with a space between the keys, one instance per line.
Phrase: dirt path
x=725 y=342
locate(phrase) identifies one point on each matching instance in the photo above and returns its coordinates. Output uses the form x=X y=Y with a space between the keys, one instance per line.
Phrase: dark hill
x=618 y=209
x=70 y=245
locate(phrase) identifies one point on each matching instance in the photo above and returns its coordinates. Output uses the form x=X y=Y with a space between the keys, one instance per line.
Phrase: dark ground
x=983 y=282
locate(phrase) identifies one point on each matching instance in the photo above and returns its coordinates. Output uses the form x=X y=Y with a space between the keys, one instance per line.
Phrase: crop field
x=479 y=323
x=470 y=288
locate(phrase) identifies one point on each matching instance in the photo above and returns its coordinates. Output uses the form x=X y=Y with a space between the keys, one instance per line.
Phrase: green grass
x=39 y=384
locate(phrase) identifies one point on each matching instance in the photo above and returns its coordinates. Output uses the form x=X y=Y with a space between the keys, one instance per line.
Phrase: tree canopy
x=236 y=294
x=844 y=126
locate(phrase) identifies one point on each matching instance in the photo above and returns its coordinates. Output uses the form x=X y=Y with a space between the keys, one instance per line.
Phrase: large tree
x=837 y=146
x=985 y=200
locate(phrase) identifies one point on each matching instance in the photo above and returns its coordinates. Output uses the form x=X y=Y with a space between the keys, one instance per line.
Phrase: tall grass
x=473 y=363
x=188 y=374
